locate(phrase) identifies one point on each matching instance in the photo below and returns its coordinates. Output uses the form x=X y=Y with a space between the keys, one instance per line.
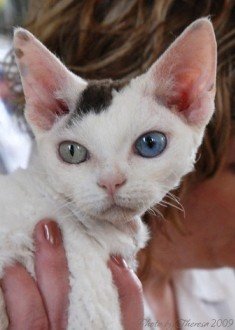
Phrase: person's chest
x=203 y=298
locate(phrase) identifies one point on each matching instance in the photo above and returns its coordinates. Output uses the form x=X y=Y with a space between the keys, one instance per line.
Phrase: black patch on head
x=97 y=97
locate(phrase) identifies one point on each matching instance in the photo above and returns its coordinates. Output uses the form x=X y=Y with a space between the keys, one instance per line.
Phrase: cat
x=105 y=153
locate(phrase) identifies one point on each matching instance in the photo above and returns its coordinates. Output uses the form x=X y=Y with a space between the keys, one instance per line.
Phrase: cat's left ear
x=49 y=87
x=184 y=77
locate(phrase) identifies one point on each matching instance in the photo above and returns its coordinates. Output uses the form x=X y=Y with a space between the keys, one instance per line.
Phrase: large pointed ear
x=184 y=77
x=49 y=87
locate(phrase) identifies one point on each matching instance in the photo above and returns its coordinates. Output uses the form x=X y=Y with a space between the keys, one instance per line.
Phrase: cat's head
x=114 y=150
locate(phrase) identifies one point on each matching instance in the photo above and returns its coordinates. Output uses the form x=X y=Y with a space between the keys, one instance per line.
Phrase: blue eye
x=151 y=144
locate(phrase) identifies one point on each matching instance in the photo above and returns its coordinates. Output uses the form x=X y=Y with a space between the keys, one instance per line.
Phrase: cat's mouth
x=117 y=208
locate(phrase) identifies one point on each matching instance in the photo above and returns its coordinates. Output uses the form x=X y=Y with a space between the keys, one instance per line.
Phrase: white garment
x=205 y=300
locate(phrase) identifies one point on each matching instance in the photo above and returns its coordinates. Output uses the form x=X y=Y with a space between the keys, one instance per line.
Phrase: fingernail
x=52 y=233
x=119 y=261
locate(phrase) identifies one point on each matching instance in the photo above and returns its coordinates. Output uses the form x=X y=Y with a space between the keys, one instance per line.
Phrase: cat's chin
x=118 y=213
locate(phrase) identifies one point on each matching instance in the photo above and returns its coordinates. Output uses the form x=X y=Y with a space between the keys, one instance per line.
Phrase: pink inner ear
x=42 y=106
x=187 y=86
x=43 y=77
x=181 y=102
x=62 y=108
x=184 y=76
x=45 y=117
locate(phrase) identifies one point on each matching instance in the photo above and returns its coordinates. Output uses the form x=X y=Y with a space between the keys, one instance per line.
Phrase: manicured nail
x=52 y=233
x=119 y=261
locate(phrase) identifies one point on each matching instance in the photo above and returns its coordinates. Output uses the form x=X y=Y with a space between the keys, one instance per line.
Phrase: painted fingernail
x=119 y=261
x=52 y=233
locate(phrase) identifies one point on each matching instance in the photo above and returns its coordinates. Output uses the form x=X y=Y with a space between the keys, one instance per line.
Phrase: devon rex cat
x=104 y=154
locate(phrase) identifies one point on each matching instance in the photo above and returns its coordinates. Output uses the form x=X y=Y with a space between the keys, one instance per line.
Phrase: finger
x=24 y=304
x=130 y=294
x=52 y=272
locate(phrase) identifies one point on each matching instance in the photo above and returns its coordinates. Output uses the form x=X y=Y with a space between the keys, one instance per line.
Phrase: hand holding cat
x=43 y=305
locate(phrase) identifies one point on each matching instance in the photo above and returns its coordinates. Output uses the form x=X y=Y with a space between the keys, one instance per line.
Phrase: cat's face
x=114 y=151
x=117 y=171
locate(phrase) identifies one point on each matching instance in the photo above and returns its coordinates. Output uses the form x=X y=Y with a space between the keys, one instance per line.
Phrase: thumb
x=130 y=293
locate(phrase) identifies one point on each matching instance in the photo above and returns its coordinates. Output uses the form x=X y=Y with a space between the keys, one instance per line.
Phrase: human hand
x=43 y=304
x=130 y=294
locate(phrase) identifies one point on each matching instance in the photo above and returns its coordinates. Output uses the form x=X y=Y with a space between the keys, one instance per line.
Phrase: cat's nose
x=112 y=182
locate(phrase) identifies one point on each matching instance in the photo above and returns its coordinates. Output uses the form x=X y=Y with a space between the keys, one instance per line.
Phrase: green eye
x=72 y=152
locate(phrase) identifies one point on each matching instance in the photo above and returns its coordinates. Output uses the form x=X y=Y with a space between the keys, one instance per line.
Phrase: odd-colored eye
x=151 y=144
x=72 y=152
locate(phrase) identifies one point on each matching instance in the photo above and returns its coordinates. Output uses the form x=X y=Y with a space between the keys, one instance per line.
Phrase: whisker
x=176 y=207
x=161 y=204
x=154 y=211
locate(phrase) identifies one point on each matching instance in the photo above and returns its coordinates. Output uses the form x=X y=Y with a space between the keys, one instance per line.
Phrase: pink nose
x=111 y=182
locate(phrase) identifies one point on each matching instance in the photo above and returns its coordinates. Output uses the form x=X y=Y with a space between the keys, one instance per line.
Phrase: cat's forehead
x=114 y=111
x=115 y=106
x=96 y=97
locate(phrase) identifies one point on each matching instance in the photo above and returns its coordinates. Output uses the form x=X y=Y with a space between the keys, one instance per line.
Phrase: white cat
x=106 y=152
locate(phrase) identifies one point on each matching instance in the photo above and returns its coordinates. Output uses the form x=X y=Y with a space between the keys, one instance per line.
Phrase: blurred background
x=15 y=141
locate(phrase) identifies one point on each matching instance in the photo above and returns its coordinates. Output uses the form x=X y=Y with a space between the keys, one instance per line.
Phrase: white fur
x=69 y=194
x=42 y=190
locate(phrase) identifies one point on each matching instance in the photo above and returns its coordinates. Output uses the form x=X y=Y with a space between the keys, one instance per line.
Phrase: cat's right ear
x=183 y=79
x=50 y=89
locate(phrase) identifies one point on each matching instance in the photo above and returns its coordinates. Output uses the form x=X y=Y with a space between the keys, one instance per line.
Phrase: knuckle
x=40 y=326
x=37 y=323
x=33 y=321
x=133 y=286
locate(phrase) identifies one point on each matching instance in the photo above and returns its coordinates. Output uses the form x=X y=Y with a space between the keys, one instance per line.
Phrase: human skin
x=209 y=224
x=209 y=242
